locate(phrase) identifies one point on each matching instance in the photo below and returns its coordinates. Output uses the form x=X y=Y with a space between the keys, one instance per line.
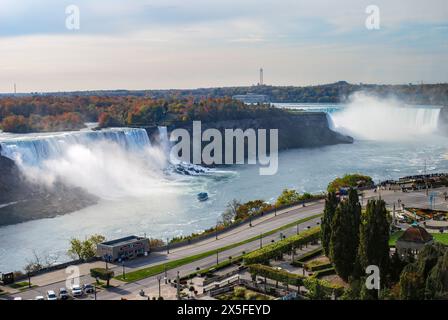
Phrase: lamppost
x=217 y=257
x=261 y=240
x=216 y=231
x=94 y=289
x=158 y=279
x=178 y=286
x=124 y=272
x=166 y=275
x=298 y=228
x=167 y=246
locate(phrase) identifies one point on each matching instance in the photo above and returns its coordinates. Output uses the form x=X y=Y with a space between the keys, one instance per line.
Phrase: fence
x=231 y=227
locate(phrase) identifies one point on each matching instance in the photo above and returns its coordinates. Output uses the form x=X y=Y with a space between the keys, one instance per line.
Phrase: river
x=139 y=196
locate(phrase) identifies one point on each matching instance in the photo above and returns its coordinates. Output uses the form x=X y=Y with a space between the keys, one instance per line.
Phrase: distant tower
x=261 y=77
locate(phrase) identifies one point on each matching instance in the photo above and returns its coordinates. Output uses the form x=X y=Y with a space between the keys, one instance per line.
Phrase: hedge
x=311 y=254
x=321 y=288
x=319 y=267
x=275 y=274
x=277 y=249
x=324 y=272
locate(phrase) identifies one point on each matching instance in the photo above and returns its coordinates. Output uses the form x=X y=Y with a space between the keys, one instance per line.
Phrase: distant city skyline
x=174 y=44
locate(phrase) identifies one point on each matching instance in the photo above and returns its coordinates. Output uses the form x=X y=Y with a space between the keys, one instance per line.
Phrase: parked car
x=17 y=298
x=63 y=294
x=39 y=298
x=88 y=288
x=76 y=291
x=51 y=295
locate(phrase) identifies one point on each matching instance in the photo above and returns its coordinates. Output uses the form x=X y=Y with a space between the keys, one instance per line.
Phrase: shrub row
x=275 y=274
x=319 y=267
x=276 y=250
x=324 y=272
x=324 y=288
x=311 y=254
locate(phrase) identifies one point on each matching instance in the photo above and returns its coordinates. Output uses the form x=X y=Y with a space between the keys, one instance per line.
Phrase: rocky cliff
x=295 y=130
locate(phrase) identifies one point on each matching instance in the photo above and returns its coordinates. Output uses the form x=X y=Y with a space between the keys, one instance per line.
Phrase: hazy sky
x=150 y=44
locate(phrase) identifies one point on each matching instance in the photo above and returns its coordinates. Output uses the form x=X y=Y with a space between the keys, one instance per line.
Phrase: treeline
x=326 y=93
x=51 y=113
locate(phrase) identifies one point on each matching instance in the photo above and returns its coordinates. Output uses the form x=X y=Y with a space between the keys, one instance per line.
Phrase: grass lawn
x=153 y=270
x=20 y=285
x=439 y=237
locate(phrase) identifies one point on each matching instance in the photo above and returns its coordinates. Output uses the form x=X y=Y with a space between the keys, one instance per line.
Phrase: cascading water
x=109 y=163
x=370 y=118
x=33 y=151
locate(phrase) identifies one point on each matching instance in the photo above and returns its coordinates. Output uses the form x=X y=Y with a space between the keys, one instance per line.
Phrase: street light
x=158 y=279
x=124 y=273
x=167 y=246
x=166 y=275
x=261 y=240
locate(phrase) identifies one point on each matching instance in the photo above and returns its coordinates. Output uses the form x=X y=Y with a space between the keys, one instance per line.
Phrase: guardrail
x=230 y=227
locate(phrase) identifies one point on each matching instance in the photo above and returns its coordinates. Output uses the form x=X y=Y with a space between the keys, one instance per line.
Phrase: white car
x=18 y=298
x=77 y=291
x=51 y=295
x=39 y=298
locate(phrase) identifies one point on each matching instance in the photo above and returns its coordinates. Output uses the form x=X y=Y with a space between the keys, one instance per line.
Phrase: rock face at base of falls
x=306 y=130
x=21 y=200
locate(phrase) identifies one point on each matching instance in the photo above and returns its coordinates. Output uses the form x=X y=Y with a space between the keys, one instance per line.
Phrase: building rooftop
x=122 y=241
x=416 y=234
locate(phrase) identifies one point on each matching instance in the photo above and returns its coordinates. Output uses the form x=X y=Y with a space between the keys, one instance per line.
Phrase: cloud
x=178 y=43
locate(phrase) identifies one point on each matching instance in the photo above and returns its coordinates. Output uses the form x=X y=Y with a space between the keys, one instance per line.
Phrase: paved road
x=259 y=226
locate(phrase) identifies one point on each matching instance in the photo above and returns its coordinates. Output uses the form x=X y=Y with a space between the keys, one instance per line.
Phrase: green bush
x=277 y=249
x=350 y=180
x=321 y=289
x=101 y=273
x=318 y=267
x=275 y=274
x=324 y=272
x=309 y=255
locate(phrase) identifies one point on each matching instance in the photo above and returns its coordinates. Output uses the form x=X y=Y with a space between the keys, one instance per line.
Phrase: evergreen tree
x=437 y=281
x=412 y=284
x=355 y=212
x=331 y=202
x=342 y=246
x=374 y=237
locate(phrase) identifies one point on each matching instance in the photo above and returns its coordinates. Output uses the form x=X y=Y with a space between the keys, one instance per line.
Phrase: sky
x=160 y=44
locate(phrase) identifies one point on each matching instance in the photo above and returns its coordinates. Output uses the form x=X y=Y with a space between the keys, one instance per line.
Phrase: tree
x=76 y=248
x=287 y=197
x=342 y=247
x=229 y=215
x=437 y=281
x=103 y=274
x=374 y=237
x=83 y=250
x=412 y=284
x=355 y=219
x=331 y=202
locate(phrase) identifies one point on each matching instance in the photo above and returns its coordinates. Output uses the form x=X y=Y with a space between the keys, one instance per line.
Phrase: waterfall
x=371 y=118
x=33 y=150
x=164 y=140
